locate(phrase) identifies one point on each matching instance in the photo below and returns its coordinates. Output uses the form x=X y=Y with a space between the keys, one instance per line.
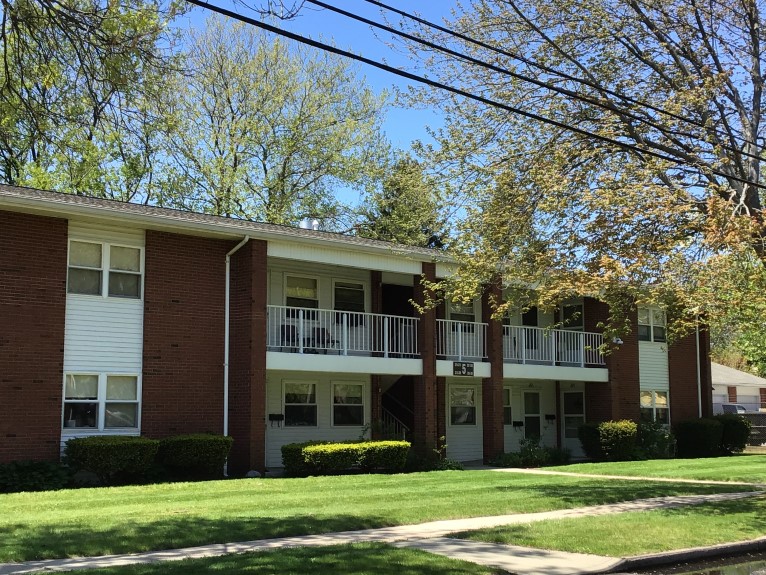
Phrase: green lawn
x=87 y=522
x=359 y=559
x=750 y=468
x=637 y=533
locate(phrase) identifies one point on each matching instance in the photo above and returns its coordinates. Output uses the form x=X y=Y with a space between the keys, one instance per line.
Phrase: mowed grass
x=88 y=522
x=747 y=468
x=638 y=533
x=358 y=559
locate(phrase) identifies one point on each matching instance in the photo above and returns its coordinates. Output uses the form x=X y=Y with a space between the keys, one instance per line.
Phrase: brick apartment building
x=127 y=319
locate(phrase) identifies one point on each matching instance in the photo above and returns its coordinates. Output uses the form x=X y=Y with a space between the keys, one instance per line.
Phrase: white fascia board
x=555 y=372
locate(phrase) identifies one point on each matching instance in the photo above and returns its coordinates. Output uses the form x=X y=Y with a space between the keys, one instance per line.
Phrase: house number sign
x=462 y=368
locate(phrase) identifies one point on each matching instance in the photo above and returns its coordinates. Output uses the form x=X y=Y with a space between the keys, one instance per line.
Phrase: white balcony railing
x=461 y=339
x=551 y=346
x=306 y=330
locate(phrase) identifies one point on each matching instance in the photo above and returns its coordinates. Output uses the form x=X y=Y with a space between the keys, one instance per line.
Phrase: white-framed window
x=99 y=268
x=507 y=413
x=348 y=296
x=459 y=311
x=302 y=291
x=101 y=401
x=532 y=426
x=655 y=406
x=300 y=404
x=462 y=405
x=652 y=324
x=348 y=404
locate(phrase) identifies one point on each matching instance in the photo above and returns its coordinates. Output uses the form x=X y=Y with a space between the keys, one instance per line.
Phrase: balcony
x=539 y=346
x=461 y=340
x=322 y=331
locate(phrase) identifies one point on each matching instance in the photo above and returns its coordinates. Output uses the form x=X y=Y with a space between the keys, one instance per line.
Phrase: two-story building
x=120 y=318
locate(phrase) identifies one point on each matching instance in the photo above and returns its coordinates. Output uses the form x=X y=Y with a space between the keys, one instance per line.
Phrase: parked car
x=733 y=408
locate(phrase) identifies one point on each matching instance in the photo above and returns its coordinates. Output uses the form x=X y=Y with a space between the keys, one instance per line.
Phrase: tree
x=406 y=209
x=648 y=189
x=266 y=131
x=76 y=85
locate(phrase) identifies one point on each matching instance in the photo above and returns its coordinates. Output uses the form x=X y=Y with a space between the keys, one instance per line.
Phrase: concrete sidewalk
x=427 y=536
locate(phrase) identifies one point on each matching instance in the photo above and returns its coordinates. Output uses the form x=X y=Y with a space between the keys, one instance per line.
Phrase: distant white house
x=732 y=386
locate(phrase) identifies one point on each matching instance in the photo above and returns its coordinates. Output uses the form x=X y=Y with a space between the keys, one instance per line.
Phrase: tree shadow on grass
x=599 y=492
x=82 y=540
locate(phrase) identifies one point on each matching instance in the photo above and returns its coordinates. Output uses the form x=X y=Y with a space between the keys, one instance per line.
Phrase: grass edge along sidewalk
x=92 y=522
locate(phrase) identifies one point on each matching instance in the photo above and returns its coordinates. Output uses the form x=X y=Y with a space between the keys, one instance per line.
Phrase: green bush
x=590 y=441
x=294 y=463
x=699 y=438
x=386 y=455
x=112 y=458
x=654 y=441
x=332 y=458
x=195 y=456
x=19 y=476
x=735 y=431
x=532 y=454
x=618 y=439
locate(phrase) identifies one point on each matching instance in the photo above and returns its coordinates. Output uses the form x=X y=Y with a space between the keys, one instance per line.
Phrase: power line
x=420 y=79
x=564 y=75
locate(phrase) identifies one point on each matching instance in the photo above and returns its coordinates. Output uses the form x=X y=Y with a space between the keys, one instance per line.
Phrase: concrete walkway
x=427 y=536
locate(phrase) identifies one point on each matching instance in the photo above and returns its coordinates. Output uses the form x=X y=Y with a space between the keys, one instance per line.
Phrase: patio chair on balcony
x=288 y=338
x=321 y=340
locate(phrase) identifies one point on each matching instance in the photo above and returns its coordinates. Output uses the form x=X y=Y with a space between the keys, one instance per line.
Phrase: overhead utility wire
x=561 y=74
x=452 y=89
x=606 y=105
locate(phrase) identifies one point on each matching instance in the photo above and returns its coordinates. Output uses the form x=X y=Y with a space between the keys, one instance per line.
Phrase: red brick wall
x=424 y=431
x=247 y=364
x=619 y=399
x=33 y=267
x=682 y=368
x=492 y=387
x=183 y=334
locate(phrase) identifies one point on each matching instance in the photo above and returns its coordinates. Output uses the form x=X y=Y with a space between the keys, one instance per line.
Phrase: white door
x=573 y=412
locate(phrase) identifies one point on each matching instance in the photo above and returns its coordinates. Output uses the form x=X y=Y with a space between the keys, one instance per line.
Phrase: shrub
x=590 y=441
x=699 y=438
x=387 y=455
x=424 y=459
x=32 y=476
x=112 y=458
x=293 y=461
x=654 y=441
x=532 y=454
x=196 y=455
x=331 y=458
x=735 y=431
x=618 y=439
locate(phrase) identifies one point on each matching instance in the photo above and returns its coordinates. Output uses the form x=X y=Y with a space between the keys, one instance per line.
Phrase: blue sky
x=402 y=126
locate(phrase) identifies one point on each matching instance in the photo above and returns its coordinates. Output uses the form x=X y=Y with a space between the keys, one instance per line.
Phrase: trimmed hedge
x=19 y=476
x=699 y=438
x=735 y=431
x=609 y=440
x=112 y=458
x=324 y=458
x=195 y=455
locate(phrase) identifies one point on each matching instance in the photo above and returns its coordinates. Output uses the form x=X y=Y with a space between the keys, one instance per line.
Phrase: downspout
x=226 y=342
x=699 y=371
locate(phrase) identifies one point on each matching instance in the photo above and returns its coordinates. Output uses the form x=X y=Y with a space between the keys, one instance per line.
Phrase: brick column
x=619 y=399
x=492 y=387
x=33 y=271
x=425 y=404
x=247 y=358
x=682 y=371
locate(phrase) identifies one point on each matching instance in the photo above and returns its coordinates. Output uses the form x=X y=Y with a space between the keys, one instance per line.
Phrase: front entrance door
x=573 y=412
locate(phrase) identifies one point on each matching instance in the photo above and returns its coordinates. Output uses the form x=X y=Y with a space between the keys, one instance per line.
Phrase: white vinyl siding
x=326 y=277
x=653 y=365
x=547 y=391
x=278 y=434
x=338 y=255
x=464 y=442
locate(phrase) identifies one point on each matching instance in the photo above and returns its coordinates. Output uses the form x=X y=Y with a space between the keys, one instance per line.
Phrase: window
x=347 y=404
x=462 y=312
x=654 y=406
x=462 y=404
x=762 y=392
x=87 y=261
x=572 y=317
x=101 y=401
x=651 y=324
x=300 y=405
x=349 y=296
x=531 y=414
x=301 y=292
x=507 y=415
